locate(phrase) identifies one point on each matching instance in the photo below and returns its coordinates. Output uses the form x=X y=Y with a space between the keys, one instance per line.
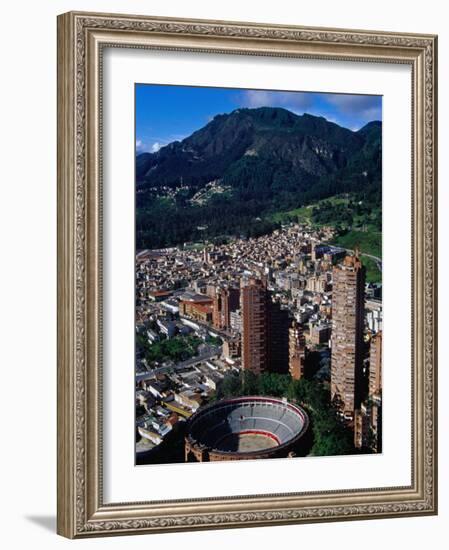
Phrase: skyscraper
x=347 y=334
x=264 y=330
x=296 y=350
x=254 y=306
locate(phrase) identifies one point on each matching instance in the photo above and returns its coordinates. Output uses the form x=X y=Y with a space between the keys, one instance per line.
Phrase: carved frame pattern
x=81 y=37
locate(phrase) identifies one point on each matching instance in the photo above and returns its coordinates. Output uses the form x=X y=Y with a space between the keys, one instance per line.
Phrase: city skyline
x=238 y=315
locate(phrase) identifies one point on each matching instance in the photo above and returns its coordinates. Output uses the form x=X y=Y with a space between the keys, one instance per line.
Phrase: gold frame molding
x=81 y=38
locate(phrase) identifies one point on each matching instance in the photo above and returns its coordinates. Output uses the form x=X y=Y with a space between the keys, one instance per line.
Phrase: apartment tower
x=265 y=326
x=254 y=305
x=347 y=334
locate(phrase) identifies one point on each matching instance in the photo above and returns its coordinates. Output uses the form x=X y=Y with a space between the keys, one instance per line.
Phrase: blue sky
x=169 y=113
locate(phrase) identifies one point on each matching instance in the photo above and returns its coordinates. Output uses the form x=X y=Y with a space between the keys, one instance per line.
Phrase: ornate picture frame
x=82 y=38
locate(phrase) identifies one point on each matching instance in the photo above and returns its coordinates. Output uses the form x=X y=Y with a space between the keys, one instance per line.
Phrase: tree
x=250 y=383
x=274 y=384
x=230 y=386
x=331 y=437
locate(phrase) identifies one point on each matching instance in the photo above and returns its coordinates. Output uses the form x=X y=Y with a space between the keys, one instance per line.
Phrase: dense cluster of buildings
x=268 y=301
x=167 y=396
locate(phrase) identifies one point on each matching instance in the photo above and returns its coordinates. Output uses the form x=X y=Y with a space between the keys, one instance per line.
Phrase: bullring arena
x=245 y=428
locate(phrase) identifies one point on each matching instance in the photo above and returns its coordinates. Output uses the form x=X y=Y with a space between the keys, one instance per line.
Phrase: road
x=212 y=351
x=221 y=333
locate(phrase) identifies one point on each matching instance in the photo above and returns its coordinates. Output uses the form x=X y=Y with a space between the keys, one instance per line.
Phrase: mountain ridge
x=268 y=158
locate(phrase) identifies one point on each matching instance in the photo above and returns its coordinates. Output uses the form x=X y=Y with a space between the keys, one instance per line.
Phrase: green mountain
x=250 y=163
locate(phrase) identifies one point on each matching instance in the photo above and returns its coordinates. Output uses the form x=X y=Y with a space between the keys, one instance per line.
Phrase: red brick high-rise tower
x=264 y=330
x=254 y=305
x=348 y=300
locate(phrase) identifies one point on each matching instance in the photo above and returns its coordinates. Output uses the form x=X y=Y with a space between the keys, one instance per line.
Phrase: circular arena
x=245 y=428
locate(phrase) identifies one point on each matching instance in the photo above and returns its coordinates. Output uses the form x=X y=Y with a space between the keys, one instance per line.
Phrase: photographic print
x=229 y=195
x=258 y=274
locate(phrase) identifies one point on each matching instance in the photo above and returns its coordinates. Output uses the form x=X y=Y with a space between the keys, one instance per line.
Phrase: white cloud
x=364 y=105
x=140 y=146
x=297 y=102
x=257 y=98
x=175 y=137
x=155 y=147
